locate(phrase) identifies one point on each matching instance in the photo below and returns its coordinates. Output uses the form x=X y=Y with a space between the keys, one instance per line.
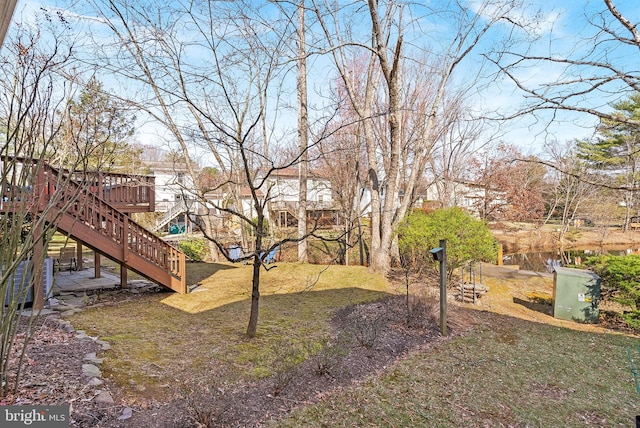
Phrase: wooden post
x=499 y=256
x=100 y=186
x=96 y=265
x=125 y=252
x=79 y=255
x=37 y=264
x=123 y=276
x=443 y=288
x=183 y=274
x=152 y=195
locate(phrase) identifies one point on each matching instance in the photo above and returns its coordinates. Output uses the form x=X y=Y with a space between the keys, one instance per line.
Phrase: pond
x=543 y=261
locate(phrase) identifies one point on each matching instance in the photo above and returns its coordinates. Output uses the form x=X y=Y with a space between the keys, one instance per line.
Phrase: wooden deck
x=92 y=208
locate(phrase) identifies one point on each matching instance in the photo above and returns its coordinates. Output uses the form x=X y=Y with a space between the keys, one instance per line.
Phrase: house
x=172 y=184
x=473 y=197
x=222 y=197
x=283 y=190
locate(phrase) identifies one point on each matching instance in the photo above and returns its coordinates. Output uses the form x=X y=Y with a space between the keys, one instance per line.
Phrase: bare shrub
x=327 y=355
x=197 y=399
x=366 y=326
x=287 y=357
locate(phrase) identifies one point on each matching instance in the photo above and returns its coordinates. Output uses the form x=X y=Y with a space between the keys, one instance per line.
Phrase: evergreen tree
x=616 y=149
x=98 y=129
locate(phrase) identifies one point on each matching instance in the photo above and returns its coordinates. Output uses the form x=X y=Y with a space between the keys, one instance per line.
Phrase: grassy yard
x=160 y=338
x=511 y=364
x=503 y=372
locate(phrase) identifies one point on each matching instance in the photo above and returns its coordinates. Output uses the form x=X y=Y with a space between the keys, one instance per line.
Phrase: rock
x=80 y=334
x=93 y=359
x=104 y=345
x=127 y=412
x=103 y=397
x=89 y=370
x=94 y=381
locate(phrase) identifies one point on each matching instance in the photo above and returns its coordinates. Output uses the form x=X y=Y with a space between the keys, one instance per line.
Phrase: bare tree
x=216 y=73
x=39 y=181
x=567 y=192
x=450 y=164
x=594 y=73
x=376 y=91
x=303 y=131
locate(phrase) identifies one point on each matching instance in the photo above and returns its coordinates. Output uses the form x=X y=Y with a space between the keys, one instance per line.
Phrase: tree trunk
x=303 y=126
x=255 y=282
x=255 y=297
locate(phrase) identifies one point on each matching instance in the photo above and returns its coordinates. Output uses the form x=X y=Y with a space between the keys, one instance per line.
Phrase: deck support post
x=37 y=263
x=96 y=265
x=79 y=255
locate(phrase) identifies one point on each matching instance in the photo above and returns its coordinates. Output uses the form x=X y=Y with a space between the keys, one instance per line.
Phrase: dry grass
x=515 y=366
x=509 y=362
x=159 y=339
x=504 y=372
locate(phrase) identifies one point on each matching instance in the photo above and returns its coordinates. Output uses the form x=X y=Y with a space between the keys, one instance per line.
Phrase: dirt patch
x=52 y=372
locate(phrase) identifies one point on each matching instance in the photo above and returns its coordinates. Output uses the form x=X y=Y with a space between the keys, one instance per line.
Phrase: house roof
x=166 y=167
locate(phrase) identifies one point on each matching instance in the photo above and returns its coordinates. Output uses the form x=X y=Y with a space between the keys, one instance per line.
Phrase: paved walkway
x=84 y=280
x=72 y=290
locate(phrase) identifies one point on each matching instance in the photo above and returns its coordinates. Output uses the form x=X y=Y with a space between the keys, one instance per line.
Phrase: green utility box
x=575 y=295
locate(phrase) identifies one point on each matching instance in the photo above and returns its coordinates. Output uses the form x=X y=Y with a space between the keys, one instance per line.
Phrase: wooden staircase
x=92 y=209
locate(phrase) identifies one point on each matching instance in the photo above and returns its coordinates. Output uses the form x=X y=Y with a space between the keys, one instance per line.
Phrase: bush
x=468 y=239
x=620 y=277
x=327 y=355
x=194 y=248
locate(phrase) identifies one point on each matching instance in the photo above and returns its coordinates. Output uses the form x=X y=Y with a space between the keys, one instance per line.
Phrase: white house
x=172 y=184
x=283 y=190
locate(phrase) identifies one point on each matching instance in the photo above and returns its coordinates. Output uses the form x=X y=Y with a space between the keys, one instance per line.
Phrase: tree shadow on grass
x=199 y=271
x=538 y=306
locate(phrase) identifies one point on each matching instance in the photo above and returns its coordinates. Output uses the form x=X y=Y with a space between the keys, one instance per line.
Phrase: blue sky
x=562 y=31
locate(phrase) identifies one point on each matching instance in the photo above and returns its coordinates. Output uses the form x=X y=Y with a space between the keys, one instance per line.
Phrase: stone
x=90 y=370
x=104 y=398
x=127 y=412
x=84 y=336
x=93 y=359
x=94 y=381
x=104 y=345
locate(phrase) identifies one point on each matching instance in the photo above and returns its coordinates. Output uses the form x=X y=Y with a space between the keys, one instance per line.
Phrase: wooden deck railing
x=127 y=192
x=102 y=221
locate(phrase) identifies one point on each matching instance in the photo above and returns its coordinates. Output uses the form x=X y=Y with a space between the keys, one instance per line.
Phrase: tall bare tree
x=216 y=74
x=303 y=132
x=376 y=90
x=567 y=191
